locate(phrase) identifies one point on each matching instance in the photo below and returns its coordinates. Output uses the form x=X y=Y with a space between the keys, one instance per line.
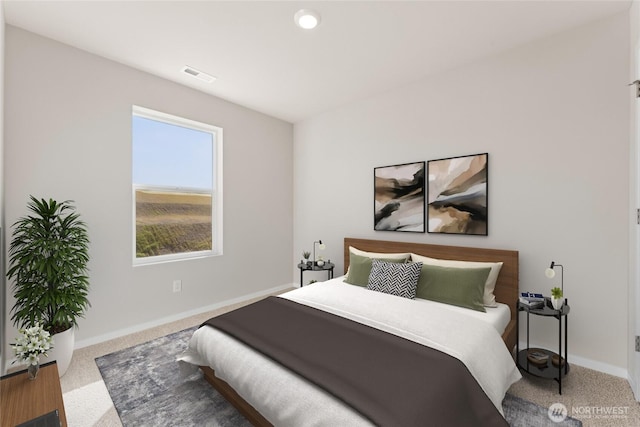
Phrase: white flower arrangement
x=31 y=343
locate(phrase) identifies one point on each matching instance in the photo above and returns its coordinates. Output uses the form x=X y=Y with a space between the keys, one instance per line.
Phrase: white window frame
x=216 y=191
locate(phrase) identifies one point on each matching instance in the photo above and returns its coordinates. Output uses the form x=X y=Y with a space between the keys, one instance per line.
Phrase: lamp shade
x=321 y=246
x=551 y=273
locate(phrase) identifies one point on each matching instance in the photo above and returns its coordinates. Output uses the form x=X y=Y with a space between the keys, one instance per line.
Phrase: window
x=177 y=187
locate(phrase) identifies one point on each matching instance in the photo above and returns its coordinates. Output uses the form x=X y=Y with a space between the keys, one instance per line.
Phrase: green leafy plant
x=48 y=257
x=556 y=293
x=306 y=255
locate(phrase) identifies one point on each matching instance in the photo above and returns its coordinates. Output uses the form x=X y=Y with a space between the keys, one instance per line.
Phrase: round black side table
x=548 y=368
x=327 y=266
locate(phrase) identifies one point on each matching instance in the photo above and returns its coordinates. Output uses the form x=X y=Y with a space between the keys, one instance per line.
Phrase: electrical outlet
x=177 y=286
x=637 y=343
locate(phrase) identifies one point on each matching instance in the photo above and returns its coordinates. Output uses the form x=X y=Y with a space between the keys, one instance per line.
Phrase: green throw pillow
x=360 y=269
x=463 y=287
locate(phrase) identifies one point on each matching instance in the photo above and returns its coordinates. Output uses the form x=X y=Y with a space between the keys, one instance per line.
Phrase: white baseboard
x=634 y=387
x=588 y=363
x=164 y=320
x=616 y=371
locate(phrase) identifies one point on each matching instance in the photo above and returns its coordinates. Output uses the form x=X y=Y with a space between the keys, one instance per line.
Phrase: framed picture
x=457 y=195
x=399 y=197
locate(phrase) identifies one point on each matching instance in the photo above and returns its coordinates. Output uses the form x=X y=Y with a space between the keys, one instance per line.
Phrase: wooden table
x=22 y=399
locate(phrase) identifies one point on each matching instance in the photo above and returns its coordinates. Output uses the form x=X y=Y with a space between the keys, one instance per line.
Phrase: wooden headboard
x=507 y=285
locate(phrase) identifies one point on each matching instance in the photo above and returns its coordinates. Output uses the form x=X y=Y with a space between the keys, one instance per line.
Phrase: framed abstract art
x=399 y=202
x=457 y=195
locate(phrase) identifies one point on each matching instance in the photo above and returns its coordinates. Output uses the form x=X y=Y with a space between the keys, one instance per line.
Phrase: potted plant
x=556 y=298
x=306 y=255
x=30 y=345
x=48 y=257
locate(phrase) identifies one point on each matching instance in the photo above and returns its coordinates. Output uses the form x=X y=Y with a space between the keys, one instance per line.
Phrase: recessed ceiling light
x=307 y=19
x=198 y=74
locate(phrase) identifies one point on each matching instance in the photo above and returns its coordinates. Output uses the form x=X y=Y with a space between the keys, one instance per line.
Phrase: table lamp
x=551 y=273
x=321 y=246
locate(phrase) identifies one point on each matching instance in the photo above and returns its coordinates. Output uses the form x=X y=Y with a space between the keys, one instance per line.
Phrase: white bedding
x=285 y=399
x=498 y=316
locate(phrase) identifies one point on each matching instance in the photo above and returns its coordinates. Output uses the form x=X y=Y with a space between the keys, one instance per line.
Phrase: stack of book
x=538 y=357
x=532 y=300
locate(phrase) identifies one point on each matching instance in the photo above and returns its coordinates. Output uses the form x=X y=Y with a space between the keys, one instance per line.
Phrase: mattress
x=286 y=399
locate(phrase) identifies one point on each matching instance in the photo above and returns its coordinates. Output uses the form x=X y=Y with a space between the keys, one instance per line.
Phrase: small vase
x=557 y=303
x=32 y=370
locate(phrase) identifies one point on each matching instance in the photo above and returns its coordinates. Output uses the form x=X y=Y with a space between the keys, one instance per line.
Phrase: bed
x=267 y=393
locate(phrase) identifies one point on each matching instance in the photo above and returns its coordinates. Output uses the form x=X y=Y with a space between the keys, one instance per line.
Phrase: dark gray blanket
x=388 y=379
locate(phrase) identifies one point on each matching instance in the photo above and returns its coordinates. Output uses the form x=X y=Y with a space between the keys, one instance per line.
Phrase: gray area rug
x=522 y=413
x=148 y=389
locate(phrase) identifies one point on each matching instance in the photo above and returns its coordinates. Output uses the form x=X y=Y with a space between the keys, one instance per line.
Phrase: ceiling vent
x=198 y=74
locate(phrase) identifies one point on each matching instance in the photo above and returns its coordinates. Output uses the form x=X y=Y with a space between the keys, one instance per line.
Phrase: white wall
x=553 y=116
x=634 y=162
x=68 y=136
x=2 y=225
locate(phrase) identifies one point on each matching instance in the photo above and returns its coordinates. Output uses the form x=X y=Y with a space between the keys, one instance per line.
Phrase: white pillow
x=379 y=254
x=489 y=299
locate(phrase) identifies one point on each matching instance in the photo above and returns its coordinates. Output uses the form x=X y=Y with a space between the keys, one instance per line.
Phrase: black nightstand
x=327 y=266
x=548 y=369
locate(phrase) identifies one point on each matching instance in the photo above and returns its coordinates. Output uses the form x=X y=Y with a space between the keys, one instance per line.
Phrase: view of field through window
x=168 y=222
x=173 y=185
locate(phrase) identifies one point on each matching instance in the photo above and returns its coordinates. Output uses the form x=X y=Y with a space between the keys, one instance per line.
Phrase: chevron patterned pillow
x=393 y=278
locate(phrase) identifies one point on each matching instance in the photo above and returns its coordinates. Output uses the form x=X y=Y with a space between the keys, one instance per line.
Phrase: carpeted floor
x=88 y=404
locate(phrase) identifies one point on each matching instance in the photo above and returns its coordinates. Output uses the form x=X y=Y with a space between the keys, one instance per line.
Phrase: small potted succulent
x=557 y=298
x=306 y=255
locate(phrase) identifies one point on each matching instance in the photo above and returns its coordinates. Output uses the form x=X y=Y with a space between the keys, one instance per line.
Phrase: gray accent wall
x=68 y=136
